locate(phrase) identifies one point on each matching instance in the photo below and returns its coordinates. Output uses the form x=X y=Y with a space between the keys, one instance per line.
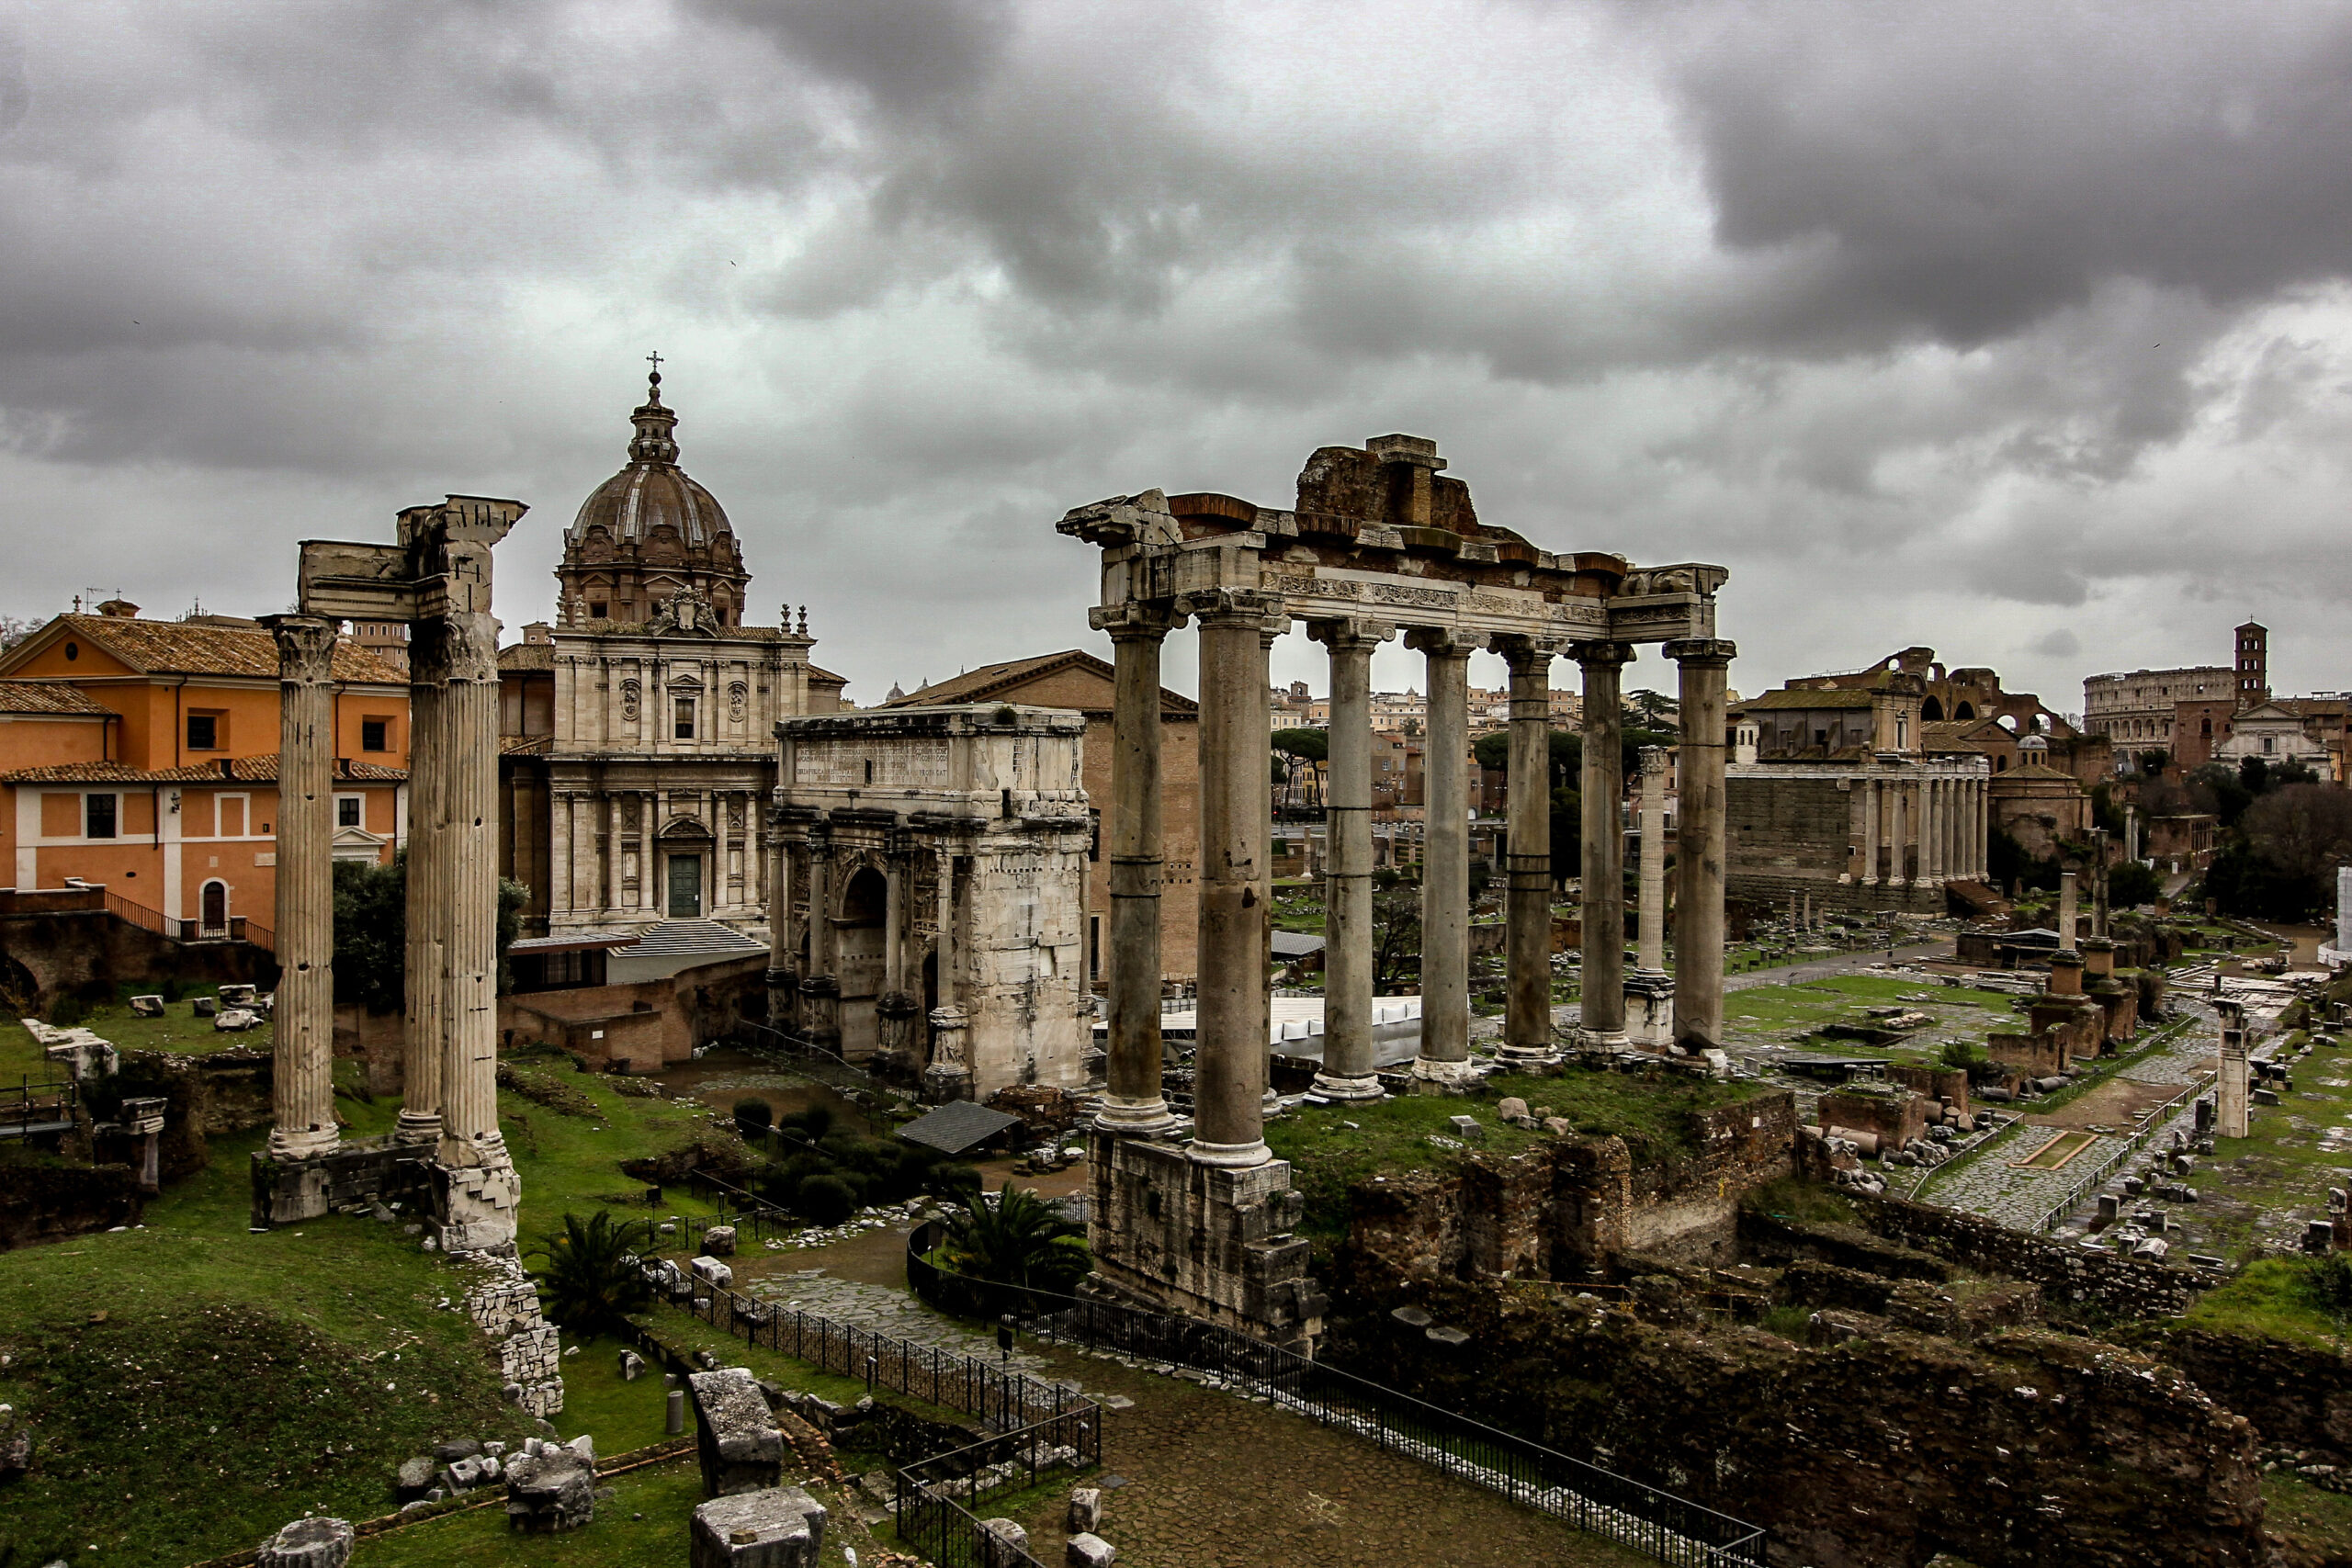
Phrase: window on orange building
x=375 y=735
x=346 y=811
x=98 y=815
x=208 y=732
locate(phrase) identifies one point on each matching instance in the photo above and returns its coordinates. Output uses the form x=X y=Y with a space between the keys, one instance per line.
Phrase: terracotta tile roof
x=826 y=677
x=232 y=769
x=526 y=655
x=1802 y=698
x=46 y=696
x=179 y=647
x=990 y=680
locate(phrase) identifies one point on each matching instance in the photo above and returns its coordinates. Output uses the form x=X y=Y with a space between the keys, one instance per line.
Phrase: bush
x=754 y=1114
x=2327 y=1284
x=952 y=1179
x=68 y=1010
x=813 y=1123
x=1966 y=1055
x=591 y=1282
x=2130 y=885
x=825 y=1199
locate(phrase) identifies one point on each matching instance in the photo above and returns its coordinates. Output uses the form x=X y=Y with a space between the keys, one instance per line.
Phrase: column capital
x=1654 y=760
x=1444 y=642
x=305 y=645
x=1136 y=620
x=1350 y=631
x=1229 y=606
x=1523 y=652
x=1716 y=650
x=1590 y=654
x=1271 y=629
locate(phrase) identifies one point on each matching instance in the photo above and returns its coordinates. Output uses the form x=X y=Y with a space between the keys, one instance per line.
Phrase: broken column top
x=780 y=1525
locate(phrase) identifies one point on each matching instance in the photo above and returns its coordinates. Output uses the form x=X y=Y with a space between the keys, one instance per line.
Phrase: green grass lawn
x=178 y=1030
x=192 y=1385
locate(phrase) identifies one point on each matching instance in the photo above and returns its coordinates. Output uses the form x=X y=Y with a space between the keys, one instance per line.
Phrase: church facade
x=638 y=731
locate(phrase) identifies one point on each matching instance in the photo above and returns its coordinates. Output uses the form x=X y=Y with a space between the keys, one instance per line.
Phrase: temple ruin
x=1379 y=541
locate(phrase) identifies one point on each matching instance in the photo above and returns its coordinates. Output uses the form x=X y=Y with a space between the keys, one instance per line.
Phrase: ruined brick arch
x=19 y=992
x=1931 y=711
x=1964 y=711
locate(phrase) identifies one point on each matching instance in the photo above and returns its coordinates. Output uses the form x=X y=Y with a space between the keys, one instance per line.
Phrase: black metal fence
x=1671 y=1528
x=1040 y=1427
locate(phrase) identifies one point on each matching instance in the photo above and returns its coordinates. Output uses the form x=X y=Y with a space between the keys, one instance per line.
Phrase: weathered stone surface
x=549 y=1490
x=632 y=1366
x=1087 y=1550
x=740 y=1444
x=414 y=1476
x=308 y=1543
x=776 y=1527
x=712 y=1272
x=1002 y=1543
x=1085 y=1508
x=147 y=1006
x=719 y=1241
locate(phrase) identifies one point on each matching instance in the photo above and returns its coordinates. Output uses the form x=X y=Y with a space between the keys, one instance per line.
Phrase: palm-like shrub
x=1017 y=1240
x=593 y=1280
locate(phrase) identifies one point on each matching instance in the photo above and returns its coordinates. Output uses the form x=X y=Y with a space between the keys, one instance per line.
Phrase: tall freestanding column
x=1261 y=818
x=2066 y=917
x=1134 y=1103
x=1699 y=863
x=1445 y=1057
x=1348 y=1068
x=783 y=954
x=1603 y=1009
x=428 y=891
x=303 y=1091
x=1649 y=952
x=1527 y=910
x=2230 y=1088
x=1228 y=1117
x=480 y=1201
x=1870 y=831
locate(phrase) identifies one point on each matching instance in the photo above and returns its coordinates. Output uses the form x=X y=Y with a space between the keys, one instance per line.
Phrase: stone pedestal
x=1208 y=1241
x=740 y=1444
x=475 y=1207
x=550 y=1491
x=1649 y=1010
x=821 y=1011
x=899 y=1029
x=949 y=1076
x=782 y=1527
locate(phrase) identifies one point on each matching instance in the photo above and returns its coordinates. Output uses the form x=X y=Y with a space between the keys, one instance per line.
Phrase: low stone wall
x=2022 y=1449
x=40 y=1201
x=2129 y=1287
x=642 y=1026
x=2297 y=1397
x=93 y=954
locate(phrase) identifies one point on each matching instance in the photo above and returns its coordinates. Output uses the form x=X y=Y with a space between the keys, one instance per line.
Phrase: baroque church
x=638 y=731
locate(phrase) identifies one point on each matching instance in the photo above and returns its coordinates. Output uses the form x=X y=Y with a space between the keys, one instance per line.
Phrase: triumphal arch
x=1379 y=542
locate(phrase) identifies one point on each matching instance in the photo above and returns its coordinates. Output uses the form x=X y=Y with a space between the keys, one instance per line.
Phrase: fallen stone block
x=719 y=1241
x=235 y=1020
x=780 y=1526
x=1002 y=1543
x=550 y=1491
x=206 y=1007
x=1087 y=1550
x=1085 y=1508
x=740 y=1444
x=308 y=1543
x=632 y=1366
x=146 y=1007
x=712 y=1272
x=414 y=1476
x=1467 y=1128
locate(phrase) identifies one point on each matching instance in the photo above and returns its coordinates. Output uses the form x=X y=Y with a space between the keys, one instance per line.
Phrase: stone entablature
x=928 y=911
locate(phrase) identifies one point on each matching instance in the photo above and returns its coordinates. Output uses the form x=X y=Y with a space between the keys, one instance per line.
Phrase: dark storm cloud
x=2003 y=309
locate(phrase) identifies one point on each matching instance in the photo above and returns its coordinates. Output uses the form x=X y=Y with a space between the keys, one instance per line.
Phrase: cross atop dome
x=650 y=532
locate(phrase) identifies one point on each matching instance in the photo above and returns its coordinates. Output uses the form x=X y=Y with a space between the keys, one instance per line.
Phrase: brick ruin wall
x=1786 y=836
x=1562 y=1209
x=2022 y=1447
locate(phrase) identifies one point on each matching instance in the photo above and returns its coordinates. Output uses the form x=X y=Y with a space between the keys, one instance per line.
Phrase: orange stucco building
x=142 y=756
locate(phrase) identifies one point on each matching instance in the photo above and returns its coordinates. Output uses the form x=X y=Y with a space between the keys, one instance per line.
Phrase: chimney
x=119 y=609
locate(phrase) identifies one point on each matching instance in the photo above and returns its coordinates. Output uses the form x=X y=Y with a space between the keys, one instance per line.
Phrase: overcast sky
x=2019 y=331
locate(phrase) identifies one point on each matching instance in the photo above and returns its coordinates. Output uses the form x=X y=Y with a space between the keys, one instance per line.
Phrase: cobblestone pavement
x=887 y=1310
x=1989 y=1185
x=1211 y=1480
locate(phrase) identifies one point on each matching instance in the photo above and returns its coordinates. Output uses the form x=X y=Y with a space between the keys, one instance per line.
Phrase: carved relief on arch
x=629 y=702
x=739 y=701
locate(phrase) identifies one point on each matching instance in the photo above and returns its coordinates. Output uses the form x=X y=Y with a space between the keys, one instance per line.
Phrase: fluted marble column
x=469 y=1135
x=303 y=1086
x=1603 y=988
x=428 y=904
x=1348 y=1068
x=1527 y=910
x=1229 y=1083
x=1445 y=860
x=1133 y=1102
x=1650 y=948
x=1870 y=831
x=1699 y=855
x=1262 y=818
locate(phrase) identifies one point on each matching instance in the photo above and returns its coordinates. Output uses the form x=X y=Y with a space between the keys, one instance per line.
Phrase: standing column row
x=1133 y=1102
x=1705 y=665
x=428 y=886
x=1603 y=869
x=1527 y=908
x=1444 y=1056
x=1229 y=1080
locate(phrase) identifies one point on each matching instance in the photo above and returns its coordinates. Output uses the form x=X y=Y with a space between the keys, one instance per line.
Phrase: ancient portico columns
x=1348 y=1066
x=1527 y=899
x=1869 y=792
x=428 y=893
x=1133 y=1102
x=1262 y=818
x=1445 y=857
x=1603 y=986
x=1699 y=914
x=302 y=1092
x=1229 y=1083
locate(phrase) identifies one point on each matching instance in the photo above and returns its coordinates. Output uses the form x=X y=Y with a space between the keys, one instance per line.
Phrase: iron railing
x=26 y=1107
x=1657 y=1523
x=932 y=1494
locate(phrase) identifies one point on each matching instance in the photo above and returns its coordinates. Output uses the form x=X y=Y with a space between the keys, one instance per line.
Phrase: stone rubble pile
x=550 y=1488
x=505 y=1306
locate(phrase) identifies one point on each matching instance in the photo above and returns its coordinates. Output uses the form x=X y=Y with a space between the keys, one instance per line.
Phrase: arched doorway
x=212 y=909
x=1931 y=712
x=1963 y=711
x=862 y=947
x=686 y=859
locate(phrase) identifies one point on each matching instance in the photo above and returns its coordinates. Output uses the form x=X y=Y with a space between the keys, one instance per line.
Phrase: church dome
x=650 y=532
